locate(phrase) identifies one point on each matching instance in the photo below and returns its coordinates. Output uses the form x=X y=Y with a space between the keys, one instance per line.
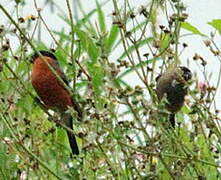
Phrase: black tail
x=71 y=137
x=73 y=143
x=172 y=120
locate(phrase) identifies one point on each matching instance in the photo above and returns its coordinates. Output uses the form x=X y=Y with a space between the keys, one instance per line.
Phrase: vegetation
x=112 y=69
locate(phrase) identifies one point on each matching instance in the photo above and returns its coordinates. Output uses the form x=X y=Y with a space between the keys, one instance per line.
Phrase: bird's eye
x=187 y=76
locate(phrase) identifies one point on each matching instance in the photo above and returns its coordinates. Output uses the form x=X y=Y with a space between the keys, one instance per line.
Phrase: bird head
x=187 y=74
x=43 y=53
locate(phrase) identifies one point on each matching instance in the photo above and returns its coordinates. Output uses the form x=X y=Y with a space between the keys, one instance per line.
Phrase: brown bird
x=172 y=84
x=52 y=92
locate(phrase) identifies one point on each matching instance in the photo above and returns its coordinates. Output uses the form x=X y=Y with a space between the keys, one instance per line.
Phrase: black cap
x=187 y=74
x=43 y=53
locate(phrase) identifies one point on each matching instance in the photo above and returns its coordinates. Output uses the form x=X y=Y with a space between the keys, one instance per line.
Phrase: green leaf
x=40 y=45
x=85 y=21
x=186 y=109
x=132 y=30
x=165 y=42
x=101 y=18
x=82 y=21
x=62 y=35
x=120 y=81
x=138 y=27
x=21 y=68
x=62 y=137
x=88 y=44
x=114 y=32
x=132 y=48
x=216 y=23
x=62 y=57
x=187 y=26
x=97 y=73
x=137 y=66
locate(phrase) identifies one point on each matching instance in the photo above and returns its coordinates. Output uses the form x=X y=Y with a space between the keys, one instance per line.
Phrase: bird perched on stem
x=172 y=85
x=52 y=91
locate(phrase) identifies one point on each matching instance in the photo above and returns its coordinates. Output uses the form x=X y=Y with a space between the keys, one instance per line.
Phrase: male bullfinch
x=172 y=84
x=52 y=92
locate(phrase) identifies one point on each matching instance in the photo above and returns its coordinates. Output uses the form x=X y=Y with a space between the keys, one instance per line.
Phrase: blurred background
x=112 y=51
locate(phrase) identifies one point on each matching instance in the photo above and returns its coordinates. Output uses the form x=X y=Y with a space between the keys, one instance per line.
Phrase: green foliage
x=216 y=23
x=187 y=26
x=101 y=18
x=124 y=133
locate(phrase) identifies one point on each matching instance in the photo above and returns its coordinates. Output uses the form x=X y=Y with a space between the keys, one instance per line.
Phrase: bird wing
x=57 y=68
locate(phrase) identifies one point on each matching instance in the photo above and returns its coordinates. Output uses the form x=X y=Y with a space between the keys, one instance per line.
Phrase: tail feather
x=172 y=120
x=73 y=143
x=71 y=137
